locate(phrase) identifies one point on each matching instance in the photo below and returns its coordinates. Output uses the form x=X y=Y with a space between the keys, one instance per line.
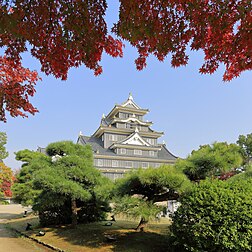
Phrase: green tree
x=3 y=141
x=245 y=175
x=23 y=188
x=210 y=161
x=215 y=216
x=140 y=190
x=64 y=187
x=245 y=142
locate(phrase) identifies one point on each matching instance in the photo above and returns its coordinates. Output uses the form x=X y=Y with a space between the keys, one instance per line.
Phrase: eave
x=131 y=158
x=131 y=119
x=119 y=108
x=105 y=129
x=113 y=170
x=131 y=146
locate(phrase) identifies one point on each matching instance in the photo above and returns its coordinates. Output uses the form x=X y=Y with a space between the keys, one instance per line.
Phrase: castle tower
x=124 y=141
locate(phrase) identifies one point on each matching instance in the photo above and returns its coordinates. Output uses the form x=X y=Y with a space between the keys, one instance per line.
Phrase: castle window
x=128 y=164
x=99 y=162
x=124 y=115
x=123 y=151
x=152 y=153
x=145 y=165
x=150 y=141
x=113 y=137
x=137 y=152
x=114 y=163
x=128 y=125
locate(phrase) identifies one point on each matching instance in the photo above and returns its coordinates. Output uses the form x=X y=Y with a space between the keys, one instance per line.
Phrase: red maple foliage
x=6 y=180
x=222 y=29
x=68 y=33
x=16 y=85
x=6 y=188
x=62 y=33
x=227 y=175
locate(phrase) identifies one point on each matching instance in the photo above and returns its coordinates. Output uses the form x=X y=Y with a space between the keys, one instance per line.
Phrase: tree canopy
x=63 y=189
x=6 y=180
x=23 y=189
x=140 y=189
x=16 y=85
x=64 y=33
x=3 y=141
x=154 y=184
x=211 y=161
x=245 y=175
x=245 y=142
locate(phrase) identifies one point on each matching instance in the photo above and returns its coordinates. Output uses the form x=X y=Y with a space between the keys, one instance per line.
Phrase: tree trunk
x=141 y=225
x=74 y=213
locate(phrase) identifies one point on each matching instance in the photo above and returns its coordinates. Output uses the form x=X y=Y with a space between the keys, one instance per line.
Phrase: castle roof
x=115 y=130
x=97 y=147
x=129 y=106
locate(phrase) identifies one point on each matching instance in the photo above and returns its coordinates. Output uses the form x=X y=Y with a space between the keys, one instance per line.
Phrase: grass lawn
x=92 y=237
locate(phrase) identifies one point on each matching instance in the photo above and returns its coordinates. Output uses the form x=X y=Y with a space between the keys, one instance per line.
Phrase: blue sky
x=191 y=109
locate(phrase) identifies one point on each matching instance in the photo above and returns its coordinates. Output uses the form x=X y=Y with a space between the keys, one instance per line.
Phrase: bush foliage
x=215 y=216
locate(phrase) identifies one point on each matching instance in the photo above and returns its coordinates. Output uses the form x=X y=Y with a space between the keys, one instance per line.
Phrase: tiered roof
x=129 y=106
x=134 y=137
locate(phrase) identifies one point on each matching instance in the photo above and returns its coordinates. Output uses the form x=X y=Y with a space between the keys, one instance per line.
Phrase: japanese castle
x=124 y=141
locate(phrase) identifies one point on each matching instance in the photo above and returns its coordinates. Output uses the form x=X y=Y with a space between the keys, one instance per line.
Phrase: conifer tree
x=139 y=191
x=68 y=188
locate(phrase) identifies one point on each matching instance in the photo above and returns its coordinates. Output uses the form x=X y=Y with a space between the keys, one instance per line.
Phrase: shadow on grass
x=6 y=233
x=93 y=236
x=20 y=223
x=8 y=216
x=141 y=241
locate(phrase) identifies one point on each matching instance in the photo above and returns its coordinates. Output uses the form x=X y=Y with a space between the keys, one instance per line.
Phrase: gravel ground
x=9 y=240
x=12 y=211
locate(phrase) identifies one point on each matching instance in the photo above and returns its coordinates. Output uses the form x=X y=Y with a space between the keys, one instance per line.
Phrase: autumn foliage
x=222 y=29
x=69 y=33
x=62 y=34
x=6 y=180
x=16 y=85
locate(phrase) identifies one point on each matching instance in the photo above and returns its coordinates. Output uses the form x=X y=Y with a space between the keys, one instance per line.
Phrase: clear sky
x=190 y=108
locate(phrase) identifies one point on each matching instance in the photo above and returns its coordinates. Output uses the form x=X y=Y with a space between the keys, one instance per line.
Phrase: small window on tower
x=128 y=164
x=99 y=162
x=113 y=137
x=123 y=151
x=152 y=153
x=114 y=163
x=137 y=152
x=145 y=165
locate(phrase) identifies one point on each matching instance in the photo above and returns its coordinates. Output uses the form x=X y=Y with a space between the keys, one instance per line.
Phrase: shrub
x=215 y=216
